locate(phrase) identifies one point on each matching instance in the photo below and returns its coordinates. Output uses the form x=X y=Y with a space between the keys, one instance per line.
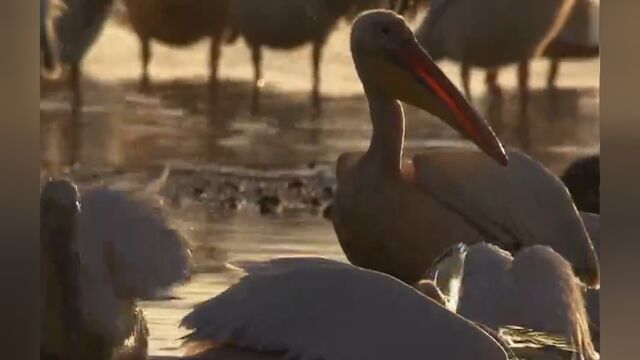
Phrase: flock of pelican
x=411 y=290
x=458 y=30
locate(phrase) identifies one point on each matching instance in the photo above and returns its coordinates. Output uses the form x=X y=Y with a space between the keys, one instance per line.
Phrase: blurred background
x=251 y=181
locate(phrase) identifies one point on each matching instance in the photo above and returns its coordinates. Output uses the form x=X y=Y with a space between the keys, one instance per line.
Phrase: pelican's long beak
x=429 y=89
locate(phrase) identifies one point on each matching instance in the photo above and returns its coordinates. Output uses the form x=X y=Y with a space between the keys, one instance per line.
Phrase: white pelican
x=178 y=23
x=314 y=308
x=439 y=198
x=287 y=24
x=492 y=33
x=535 y=289
x=75 y=29
x=97 y=260
x=578 y=39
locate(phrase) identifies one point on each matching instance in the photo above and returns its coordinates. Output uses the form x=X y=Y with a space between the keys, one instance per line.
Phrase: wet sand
x=127 y=138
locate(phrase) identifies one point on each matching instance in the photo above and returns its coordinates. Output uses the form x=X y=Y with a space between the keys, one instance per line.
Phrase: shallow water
x=126 y=137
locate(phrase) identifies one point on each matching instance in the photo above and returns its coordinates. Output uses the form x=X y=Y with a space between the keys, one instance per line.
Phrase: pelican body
x=287 y=24
x=178 y=23
x=396 y=215
x=492 y=33
x=314 y=308
x=100 y=255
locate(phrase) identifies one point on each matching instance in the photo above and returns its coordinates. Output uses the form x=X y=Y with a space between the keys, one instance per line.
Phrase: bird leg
x=554 y=65
x=523 y=85
x=145 y=57
x=315 y=91
x=491 y=79
x=465 y=70
x=76 y=95
x=214 y=60
x=256 y=58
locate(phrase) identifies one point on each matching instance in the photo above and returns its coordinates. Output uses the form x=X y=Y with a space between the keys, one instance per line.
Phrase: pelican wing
x=127 y=240
x=522 y=202
x=485 y=281
x=315 y=308
x=537 y=290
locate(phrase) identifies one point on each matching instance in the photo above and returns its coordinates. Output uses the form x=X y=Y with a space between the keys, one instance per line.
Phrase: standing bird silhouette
x=76 y=28
x=287 y=24
x=491 y=34
x=179 y=23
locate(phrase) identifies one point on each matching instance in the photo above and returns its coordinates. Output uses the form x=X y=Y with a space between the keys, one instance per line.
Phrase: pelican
x=287 y=24
x=315 y=308
x=178 y=23
x=76 y=29
x=99 y=256
x=396 y=216
x=578 y=39
x=536 y=289
x=491 y=34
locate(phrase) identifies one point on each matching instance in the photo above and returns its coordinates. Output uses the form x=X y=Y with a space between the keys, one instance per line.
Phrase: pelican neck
x=387 y=140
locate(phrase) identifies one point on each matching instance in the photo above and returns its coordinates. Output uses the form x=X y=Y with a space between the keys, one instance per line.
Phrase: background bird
x=491 y=34
x=180 y=23
x=46 y=48
x=578 y=39
x=75 y=29
x=287 y=24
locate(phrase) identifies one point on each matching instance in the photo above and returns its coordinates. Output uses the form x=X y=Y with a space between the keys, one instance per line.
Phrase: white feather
x=536 y=290
x=127 y=252
x=316 y=308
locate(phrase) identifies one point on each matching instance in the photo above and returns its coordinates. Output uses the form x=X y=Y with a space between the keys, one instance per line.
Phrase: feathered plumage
x=313 y=308
x=535 y=289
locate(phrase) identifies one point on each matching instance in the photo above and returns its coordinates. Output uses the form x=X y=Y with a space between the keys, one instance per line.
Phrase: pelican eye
x=385 y=30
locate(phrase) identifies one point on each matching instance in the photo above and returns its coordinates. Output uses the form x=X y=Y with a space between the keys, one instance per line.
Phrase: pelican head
x=391 y=63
